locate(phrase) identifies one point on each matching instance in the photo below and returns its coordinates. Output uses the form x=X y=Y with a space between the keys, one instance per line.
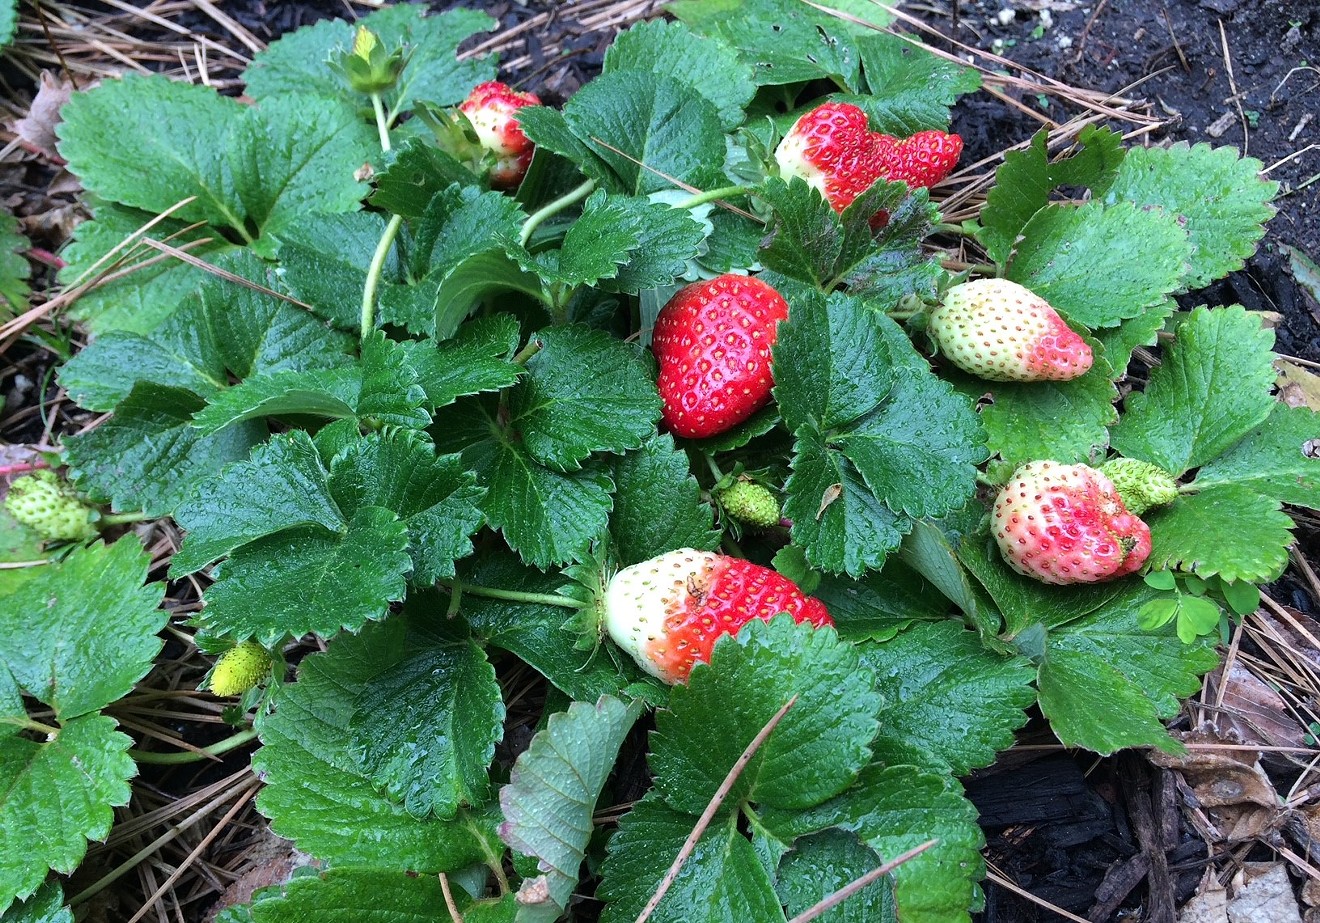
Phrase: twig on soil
x=993 y=874
x=1232 y=85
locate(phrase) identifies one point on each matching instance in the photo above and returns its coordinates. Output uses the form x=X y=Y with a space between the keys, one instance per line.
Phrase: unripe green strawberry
x=50 y=507
x=240 y=669
x=998 y=330
x=1140 y=484
x=750 y=503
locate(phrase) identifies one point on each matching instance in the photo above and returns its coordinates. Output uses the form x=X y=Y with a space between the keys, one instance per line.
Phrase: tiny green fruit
x=49 y=506
x=240 y=669
x=1140 y=484
x=750 y=503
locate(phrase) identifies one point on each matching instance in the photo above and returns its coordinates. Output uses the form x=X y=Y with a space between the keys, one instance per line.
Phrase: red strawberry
x=1066 y=524
x=490 y=107
x=713 y=340
x=996 y=329
x=668 y=612
x=922 y=160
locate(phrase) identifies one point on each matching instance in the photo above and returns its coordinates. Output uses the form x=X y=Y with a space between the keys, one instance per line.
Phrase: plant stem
x=946 y=228
x=373 y=274
x=30 y=725
x=531 y=349
x=903 y=315
x=714 y=468
x=550 y=209
x=517 y=596
x=119 y=519
x=190 y=756
x=724 y=192
x=382 y=122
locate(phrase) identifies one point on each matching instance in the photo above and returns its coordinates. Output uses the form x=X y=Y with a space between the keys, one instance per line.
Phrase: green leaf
x=436 y=497
x=282 y=486
x=324 y=262
x=950 y=704
x=149 y=456
x=783 y=41
x=349 y=895
x=1211 y=388
x=1026 y=179
x=458 y=291
x=14 y=269
x=911 y=89
x=317 y=792
x=477 y=359
x=1228 y=529
x=79 y=634
x=832 y=361
x=548 y=129
x=821 y=864
x=414 y=173
x=706 y=65
x=55 y=796
x=223 y=330
x=933 y=551
x=1105 y=682
x=552 y=793
x=8 y=21
x=882 y=603
x=584 y=392
x=1067 y=421
x=462 y=222
x=668 y=238
x=813 y=754
x=649 y=119
x=46 y=906
x=1117 y=343
x=657 y=504
x=427 y=724
x=1272 y=459
x=896 y=808
x=722 y=881
x=842 y=525
x=344 y=579
x=299 y=62
x=1080 y=259
x=1219 y=196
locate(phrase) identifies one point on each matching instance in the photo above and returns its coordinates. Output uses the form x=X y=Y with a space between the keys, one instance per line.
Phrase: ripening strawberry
x=712 y=341
x=998 y=330
x=491 y=108
x=922 y=160
x=669 y=611
x=1066 y=524
x=240 y=668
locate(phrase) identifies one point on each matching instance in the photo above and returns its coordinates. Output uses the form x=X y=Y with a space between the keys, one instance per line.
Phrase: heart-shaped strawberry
x=712 y=341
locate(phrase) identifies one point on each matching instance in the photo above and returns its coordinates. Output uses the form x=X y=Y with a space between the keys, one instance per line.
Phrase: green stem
x=119 y=519
x=382 y=121
x=531 y=349
x=190 y=756
x=550 y=209
x=903 y=315
x=517 y=596
x=946 y=228
x=29 y=725
x=714 y=468
x=373 y=274
x=724 y=192
x=984 y=269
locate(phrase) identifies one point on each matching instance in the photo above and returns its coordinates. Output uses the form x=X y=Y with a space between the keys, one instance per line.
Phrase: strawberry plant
x=454 y=420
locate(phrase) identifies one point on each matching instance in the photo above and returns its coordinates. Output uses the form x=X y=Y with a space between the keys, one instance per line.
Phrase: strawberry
x=240 y=668
x=750 y=503
x=997 y=329
x=1066 y=524
x=712 y=341
x=1142 y=485
x=669 y=611
x=490 y=107
x=47 y=505
x=831 y=148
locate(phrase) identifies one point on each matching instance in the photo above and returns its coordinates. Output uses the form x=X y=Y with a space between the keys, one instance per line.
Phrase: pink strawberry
x=1066 y=524
x=490 y=107
x=669 y=611
x=712 y=341
x=998 y=330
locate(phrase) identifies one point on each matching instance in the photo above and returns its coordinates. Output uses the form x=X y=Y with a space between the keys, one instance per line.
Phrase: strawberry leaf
x=351 y=894
x=824 y=862
x=413 y=174
x=1026 y=179
x=881 y=604
x=319 y=794
x=1071 y=256
x=46 y=906
x=909 y=88
x=552 y=793
x=1211 y=388
x=58 y=794
x=14 y=269
x=893 y=809
x=648 y=119
x=476 y=359
x=299 y=62
x=1272 y=459
x=323 y=263
x=344 y=579
x=813 y=754
x=1105 y=682
x=96 y=634
x=950 y=704
x=1117 y=343
x=1189 y=535
x=549 y=130
x=724 y=880
x=584 y=392
x=657 y=504
x=1219 y=196
x=933 y=551
x=427 y=724
x=149 y=456
x=706 y=65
